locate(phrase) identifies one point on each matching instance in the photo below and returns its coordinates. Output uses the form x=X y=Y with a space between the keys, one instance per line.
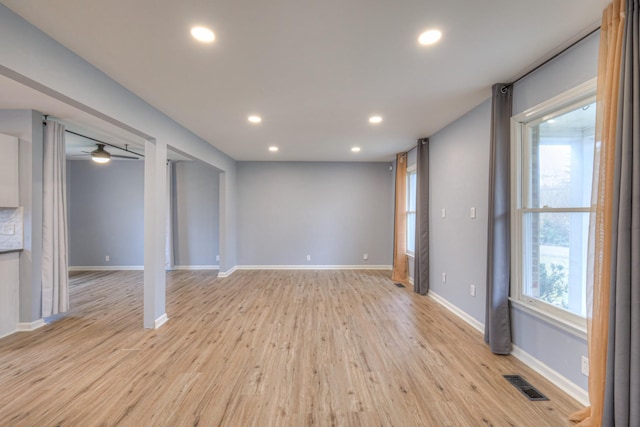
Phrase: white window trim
x=563 y=319
x=410 y=169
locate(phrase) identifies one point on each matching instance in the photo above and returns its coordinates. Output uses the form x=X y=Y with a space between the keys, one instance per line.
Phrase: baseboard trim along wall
x=232 y=270
x=138 y=267
x=105 y=267
x=195 y=267
x=314 y=267
x=160 y=321
x=455 y=310
x=559 y=380
x=562 y=382
x=30 y=326
x=227 y=273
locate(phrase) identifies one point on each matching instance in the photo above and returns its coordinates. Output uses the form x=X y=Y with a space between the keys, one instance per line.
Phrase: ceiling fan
x=100 y=155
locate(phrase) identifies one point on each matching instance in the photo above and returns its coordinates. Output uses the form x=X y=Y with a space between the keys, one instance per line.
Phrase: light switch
x=444 y=213
x=472 y=213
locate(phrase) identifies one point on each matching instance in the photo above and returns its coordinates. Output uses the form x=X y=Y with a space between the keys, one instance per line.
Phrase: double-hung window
x=553 y=164
x=411 y=210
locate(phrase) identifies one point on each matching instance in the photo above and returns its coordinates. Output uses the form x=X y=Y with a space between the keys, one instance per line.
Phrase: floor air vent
x=400 y=285
x=525 y=388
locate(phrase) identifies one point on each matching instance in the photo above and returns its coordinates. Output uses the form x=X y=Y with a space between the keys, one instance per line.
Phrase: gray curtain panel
x=421 y=270
x=497 y=328
x=622 y=392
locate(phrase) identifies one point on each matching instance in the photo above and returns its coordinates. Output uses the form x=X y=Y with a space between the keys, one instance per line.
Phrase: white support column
x=155 y=177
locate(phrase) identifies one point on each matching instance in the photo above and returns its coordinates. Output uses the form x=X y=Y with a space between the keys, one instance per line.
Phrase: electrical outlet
x=365 y=257
x=217 y=257
x=584 y=368
x=308 y=257
x=106 y=258
x=444 y=277
x=472 y=290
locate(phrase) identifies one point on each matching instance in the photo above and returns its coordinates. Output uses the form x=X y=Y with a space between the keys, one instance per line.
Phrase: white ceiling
x=314 y=70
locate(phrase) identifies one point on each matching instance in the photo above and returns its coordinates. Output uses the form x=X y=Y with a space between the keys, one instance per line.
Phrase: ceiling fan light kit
x=100 y=155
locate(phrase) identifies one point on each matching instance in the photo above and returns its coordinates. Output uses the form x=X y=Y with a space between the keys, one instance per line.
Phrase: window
x=554 y=163
x=411 y=210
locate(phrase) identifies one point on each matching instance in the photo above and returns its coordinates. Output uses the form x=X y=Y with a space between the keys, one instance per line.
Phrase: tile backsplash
x=11 y=225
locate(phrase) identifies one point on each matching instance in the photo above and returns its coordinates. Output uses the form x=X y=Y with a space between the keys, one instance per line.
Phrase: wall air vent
x=525 y=388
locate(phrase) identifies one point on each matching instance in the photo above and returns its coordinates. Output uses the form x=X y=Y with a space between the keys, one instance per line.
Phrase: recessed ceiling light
x=203 y=34
x=375 y=119
x=429 y=37
x=355 y=149
x=273 y=148
x=255 y=119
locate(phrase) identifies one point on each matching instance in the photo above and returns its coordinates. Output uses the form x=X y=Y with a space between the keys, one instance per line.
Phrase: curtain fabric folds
x=55 y=268
x=497 y=331
x=421 y=270
x=600 y=243
x=400 y=268
x=622 y=386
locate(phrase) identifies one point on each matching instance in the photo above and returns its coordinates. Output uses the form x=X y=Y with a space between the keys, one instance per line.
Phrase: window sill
x=411 y=256
x=565 y=325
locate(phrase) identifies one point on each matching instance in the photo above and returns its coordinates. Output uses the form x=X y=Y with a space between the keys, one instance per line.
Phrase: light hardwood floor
x=263 y=348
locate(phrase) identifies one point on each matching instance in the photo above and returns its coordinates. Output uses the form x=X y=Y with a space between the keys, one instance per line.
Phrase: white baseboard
x=195 y=267
x=105 y=267
x=160 y=321
x=238 y=267
x=559 y=380
x=30 y=326
x=314 y=267
x=458 y=312
x=228 y=272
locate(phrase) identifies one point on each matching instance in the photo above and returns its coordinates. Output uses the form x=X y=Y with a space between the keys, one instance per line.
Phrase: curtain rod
x=106 y=143
x=44 y=123
x=553 y=57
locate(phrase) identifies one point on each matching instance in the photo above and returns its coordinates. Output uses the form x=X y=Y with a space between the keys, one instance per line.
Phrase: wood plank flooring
x=263 y=348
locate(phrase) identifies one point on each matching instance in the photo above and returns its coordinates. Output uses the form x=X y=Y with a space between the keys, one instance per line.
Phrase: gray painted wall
x=106 y=216
x=106 y=213
x=196 y=214
x=334 y=212
x=459 y=180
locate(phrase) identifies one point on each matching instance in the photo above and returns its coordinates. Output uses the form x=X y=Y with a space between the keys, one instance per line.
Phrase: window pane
x=411 y=192
x=561 y=159
x=556 y=258
x=411 y=232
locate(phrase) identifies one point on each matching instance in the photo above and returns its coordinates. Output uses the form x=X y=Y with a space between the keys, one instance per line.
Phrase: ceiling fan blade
x=125 y=157
x=118 y=156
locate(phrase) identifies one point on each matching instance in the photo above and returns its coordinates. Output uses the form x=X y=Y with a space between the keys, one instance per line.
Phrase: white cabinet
x=9 y=190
